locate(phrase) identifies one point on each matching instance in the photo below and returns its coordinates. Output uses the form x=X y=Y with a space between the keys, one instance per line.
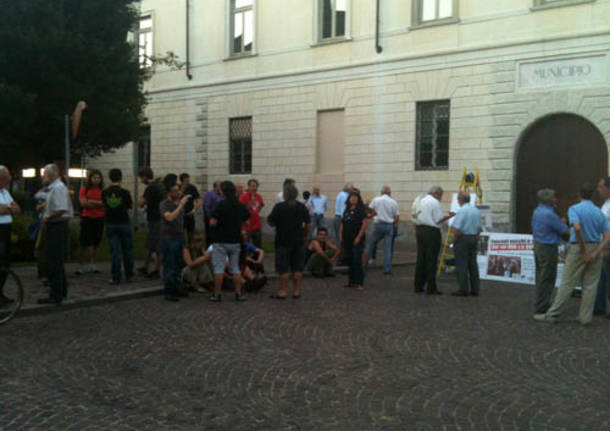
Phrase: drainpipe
x=188 y=43
x=378 y=47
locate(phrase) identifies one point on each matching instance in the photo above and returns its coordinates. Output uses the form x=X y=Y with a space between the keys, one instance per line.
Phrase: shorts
x=223 y=251
x=290 y=259
x=91 y=231
x=153 y=236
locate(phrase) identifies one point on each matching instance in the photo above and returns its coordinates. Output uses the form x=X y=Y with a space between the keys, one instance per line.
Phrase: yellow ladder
x=469 y=183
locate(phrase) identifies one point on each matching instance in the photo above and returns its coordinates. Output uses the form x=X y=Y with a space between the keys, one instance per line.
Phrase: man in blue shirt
x=340 y=208
x=547 y=229
x=319 y=204
x=590 y=233
x=466 y=228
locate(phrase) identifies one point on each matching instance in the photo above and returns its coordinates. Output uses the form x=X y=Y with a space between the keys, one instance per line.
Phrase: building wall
x=475 y=63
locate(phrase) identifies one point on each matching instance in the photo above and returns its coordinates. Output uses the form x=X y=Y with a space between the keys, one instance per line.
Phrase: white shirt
x=386 y=209
x=431 y=212
x=58 y=199
x=5 y=199
x=606 y=209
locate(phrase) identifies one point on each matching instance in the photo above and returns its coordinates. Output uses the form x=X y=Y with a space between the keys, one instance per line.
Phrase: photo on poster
x=504 y=266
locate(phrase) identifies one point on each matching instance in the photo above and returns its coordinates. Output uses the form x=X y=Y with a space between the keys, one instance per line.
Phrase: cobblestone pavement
x=95 y=285
x=336 y=359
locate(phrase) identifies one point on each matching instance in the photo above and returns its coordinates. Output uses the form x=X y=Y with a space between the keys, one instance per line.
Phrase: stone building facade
x=521 y=88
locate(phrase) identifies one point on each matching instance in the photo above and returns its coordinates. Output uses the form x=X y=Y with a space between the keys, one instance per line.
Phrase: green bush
x=22 y=248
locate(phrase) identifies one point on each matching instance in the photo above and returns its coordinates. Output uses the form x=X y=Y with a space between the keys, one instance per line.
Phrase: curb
x=93 y=300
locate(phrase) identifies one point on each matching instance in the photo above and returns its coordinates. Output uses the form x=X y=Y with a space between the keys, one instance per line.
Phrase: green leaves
x=54 y=53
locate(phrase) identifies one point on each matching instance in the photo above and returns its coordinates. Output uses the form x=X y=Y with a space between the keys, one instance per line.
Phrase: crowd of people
x=226 y=250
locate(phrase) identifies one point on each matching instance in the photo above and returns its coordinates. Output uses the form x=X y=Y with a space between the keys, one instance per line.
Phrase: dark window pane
x=240 y=133
x=432 y=139
x=327 y=19
x=340 y=26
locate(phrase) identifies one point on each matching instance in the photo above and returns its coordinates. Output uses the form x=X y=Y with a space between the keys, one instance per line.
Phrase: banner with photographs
x=510 y=257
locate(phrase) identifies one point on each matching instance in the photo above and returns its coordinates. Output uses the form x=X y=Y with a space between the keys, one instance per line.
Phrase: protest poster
x=510 y=257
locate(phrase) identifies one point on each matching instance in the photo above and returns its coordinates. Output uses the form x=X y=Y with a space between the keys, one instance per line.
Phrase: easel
x=469 y=183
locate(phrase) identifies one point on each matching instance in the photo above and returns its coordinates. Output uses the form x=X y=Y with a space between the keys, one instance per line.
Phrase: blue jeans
x=317 y=221
x=171 y=247
x=383 y=231
x=121 y=242
x=603 y=290
x=353 y=254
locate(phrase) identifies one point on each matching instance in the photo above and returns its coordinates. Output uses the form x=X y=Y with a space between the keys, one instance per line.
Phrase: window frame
x=242 y=171
x=138 y=31
x=546 y=4
x=318 y=17
x=418 y=166
x=144 y=146
x=230 y=25
x=417 y=10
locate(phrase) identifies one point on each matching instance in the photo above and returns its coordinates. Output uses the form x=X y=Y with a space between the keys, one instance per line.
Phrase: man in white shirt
x=8 y=207
x=319 y=206
x=428 y=234
x=603 y=290
x=385 y=210
x=57 y=214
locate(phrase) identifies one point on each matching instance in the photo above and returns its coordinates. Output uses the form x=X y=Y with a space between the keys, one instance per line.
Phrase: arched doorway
x=560 y=152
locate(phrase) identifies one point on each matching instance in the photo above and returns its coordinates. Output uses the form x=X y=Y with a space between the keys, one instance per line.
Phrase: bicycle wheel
x=12 y=298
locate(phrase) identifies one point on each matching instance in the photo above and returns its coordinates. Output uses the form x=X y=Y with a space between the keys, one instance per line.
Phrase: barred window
x=240 y=151
x=432 y=139
x=144 y=147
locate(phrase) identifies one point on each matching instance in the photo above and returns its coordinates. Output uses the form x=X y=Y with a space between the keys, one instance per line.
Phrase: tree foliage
x=54 y=53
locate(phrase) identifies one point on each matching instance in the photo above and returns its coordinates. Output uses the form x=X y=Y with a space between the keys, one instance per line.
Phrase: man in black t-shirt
x=117 y=203
x=227 y=221
x=193 y=205
x=154 y=194
x=292 y=226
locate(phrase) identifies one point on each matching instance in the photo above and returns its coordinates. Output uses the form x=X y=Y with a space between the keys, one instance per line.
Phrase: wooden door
x=559 y=152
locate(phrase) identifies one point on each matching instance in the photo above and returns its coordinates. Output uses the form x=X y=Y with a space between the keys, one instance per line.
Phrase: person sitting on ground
x=253 y=271
x=324 y=255
x=197 y=273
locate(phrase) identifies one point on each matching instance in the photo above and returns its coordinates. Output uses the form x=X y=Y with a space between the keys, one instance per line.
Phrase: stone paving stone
x=336 y=359
x=92 y=285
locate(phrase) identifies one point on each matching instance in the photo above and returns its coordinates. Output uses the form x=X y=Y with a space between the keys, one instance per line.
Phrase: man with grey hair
x=547 y=229
x=466 y=228
x=428 y=235
x=340 y=207
x=8 y=207
x=385 y=210
x=57 y=214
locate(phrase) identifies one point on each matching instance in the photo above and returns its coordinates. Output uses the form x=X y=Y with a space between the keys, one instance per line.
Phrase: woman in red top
x=91 y=220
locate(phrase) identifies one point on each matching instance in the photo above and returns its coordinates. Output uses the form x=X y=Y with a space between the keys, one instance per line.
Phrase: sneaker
x=143 y=270
x=93 y=270
x=459 y=293
x=79 y=271
x=215 y=297
x=544 y=318
x=113 y=282
x=370 y=261
x=240 y=297
x=171 y=298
